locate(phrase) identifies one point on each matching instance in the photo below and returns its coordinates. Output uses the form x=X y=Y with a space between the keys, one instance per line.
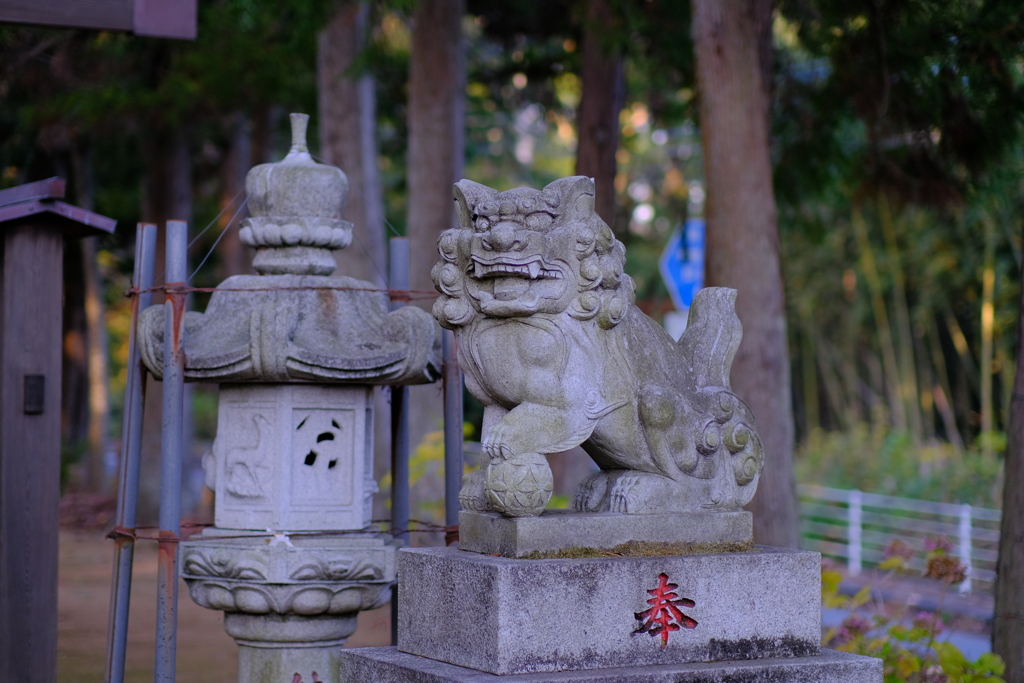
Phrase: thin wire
x=231 y=203
x=376 y=266
x=222 y=233
x=395 y=294
x=428 y=527
x=203 y=231
x=388 y=223
x=365 y=199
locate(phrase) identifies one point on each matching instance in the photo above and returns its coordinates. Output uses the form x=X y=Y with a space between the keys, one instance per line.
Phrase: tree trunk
x=743 y=240
x=74 y=353
x=436 y=104
x=600 y=104
x=235 y=257
x=266 y=138
x=348 y=139
x=96 y=330
x=1008 y=625
x=167 y=195
x=99 y=390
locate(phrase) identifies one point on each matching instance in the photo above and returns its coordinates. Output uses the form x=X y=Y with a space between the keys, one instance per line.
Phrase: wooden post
x=32 y=230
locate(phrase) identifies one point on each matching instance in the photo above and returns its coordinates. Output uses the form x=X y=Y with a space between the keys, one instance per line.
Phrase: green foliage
x=905 y=119
x=937 y=86
x=560 y=501
x=987 y=669
x=204 y=412
x=925 y=264
x=877 y=460
x=908 y=647
x=521 y=94
x=75 y=83
x=426 y=476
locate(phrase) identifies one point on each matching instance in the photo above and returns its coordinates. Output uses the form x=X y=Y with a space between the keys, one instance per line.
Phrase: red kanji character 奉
x=663 y=615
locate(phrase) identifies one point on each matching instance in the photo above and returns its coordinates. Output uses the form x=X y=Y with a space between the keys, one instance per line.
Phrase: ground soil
x=206 y=654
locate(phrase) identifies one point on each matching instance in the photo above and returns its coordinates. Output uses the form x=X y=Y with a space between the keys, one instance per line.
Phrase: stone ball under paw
x=520 y=486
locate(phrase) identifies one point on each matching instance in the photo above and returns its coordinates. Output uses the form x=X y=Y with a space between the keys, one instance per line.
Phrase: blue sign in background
x=682 y=263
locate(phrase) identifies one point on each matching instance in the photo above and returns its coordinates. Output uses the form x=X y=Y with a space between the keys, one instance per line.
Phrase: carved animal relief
x=552 y=344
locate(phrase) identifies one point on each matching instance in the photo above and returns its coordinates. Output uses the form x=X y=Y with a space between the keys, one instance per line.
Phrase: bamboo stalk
x=926 y=393
x=851 y=383
x=956 y=333
x=908 y=373
x=830 y=378
x=941 y=391
x=849 y=354
x=808 y=371
x=988 y=282
x=885 y=337
x=875 y=387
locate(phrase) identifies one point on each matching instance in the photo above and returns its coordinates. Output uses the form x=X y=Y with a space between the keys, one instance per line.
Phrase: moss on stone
x=643 y=549
x=566 y=553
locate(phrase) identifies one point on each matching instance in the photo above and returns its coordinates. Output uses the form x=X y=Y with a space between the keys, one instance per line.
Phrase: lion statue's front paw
x=496 y=442
x=472 y=496
x=591 y=492
x=623 y=497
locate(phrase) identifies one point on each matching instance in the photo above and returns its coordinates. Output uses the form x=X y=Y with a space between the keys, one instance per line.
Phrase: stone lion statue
x=552 y=344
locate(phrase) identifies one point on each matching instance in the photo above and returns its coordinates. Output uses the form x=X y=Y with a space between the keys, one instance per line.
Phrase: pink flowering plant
x=907 y=644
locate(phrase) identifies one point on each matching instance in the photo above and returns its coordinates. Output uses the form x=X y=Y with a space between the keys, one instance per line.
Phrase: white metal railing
x=856 y=527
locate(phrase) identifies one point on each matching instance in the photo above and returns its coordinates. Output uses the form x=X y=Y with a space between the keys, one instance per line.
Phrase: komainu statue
x=552 y=344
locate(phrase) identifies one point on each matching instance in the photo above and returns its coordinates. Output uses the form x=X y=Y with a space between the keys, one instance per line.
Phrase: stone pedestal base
x=388 y=665
x=228 y=570
x=507 y=616
x=561 y=531
x=272 y=648
x=290 y=602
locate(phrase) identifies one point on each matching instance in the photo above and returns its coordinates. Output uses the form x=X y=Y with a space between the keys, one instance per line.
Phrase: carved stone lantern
x=292 y=557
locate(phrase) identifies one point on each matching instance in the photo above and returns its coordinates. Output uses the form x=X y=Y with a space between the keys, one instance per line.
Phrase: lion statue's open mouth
x=506 y=286
x=552 y=344
x=499 y=267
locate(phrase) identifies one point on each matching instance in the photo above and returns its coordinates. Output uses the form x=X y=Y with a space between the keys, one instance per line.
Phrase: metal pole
x=452 y=436
x=399 y=280
x=131 y=453
x=171 y=453
x=855 y=532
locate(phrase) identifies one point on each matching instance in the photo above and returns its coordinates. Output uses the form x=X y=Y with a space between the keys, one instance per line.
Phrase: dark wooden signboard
x=159 y=18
